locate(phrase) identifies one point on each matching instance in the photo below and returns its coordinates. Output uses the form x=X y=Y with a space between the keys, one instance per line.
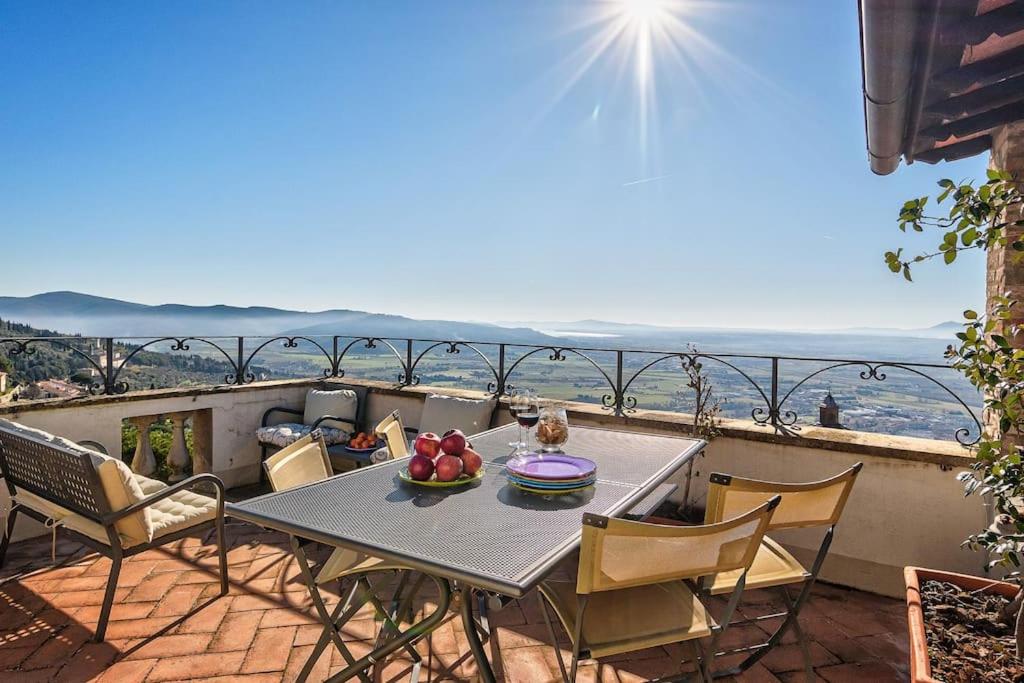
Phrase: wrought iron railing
x=617 y=370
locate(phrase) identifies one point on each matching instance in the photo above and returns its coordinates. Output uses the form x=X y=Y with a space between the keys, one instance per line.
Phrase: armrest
x=164 y=493
x=278 y=409
x=335 y=418
x=95 y=445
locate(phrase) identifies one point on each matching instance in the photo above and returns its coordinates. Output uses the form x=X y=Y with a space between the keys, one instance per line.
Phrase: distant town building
x=3 y=382
x=828 y=412
x=53 y=388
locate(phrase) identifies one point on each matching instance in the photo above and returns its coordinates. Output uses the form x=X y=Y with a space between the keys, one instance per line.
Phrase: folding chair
x=633 y=585
x=304 y=462
x=814 y=504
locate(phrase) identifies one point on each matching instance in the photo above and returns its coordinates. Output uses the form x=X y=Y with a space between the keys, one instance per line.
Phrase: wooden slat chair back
x=393 y=432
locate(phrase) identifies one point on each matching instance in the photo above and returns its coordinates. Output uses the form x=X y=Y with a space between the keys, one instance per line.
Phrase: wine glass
x=515 y=403
x=527 y=413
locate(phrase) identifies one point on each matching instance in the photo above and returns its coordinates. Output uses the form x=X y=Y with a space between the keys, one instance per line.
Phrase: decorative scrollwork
x=873 y=370
x=177 y=344
x=452 y=347
x=760 y=415
x=371 y=343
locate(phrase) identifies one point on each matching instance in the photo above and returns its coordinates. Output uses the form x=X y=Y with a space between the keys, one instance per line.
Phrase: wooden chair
x=632 y=587
x=98 y=501
x=394 y=434
x=816 y=504
x=306 y=461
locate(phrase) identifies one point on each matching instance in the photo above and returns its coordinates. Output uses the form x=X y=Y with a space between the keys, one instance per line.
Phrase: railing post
x=499 y=390
x=408 y=362
x=619 y=398
x=240 y=375
x=108 y=375
x=773 y=411
x=335 y=361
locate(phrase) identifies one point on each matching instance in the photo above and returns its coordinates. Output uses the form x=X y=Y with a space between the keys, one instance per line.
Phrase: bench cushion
x=341 y=403
x=441 y=413
x=180 y=510
x=287 y=433
x=115 y=477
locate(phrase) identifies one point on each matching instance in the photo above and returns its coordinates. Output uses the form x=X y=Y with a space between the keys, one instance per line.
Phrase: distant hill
x=97 y=316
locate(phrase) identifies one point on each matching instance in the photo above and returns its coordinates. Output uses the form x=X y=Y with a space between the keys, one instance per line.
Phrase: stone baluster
x=144 y=462
x=178 y=458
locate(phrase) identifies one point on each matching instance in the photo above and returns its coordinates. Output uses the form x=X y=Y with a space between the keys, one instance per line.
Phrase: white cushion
x=288 y=433
x=441 y=413
x=116 y=478
x=338 y=402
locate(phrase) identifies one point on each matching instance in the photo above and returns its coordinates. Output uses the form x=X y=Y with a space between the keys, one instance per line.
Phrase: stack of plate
x=550 y=474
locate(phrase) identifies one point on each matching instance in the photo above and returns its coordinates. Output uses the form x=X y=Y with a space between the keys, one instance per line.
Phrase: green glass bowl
x=403 y=474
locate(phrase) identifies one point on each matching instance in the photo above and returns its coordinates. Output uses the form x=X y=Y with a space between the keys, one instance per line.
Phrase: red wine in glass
x=528 y=419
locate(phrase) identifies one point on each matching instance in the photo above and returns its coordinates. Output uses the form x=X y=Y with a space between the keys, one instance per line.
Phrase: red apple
x=449 y=467
x=421 y=467
x=453 y=442
x=471 y=461
x=427 y=444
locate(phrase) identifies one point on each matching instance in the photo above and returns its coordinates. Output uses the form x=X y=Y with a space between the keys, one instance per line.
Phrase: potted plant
x=977 y=627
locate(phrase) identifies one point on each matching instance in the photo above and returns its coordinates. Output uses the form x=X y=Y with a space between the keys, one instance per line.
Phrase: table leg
x=473 y=636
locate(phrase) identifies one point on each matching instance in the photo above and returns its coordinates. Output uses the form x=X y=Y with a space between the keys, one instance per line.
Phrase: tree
x=985 y=217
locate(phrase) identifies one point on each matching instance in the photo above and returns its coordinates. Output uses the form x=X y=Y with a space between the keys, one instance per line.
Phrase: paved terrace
x=165 y=626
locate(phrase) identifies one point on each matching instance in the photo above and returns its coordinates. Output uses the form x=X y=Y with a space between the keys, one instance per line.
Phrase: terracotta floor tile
x=264 y=630
x=197 y=666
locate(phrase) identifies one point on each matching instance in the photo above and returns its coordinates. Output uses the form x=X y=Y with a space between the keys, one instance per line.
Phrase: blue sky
x=442 y=159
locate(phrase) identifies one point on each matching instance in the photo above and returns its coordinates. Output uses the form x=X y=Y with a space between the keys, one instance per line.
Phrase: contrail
x=644 y=180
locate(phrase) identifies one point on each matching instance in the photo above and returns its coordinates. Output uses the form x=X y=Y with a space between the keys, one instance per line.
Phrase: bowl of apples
x=442 y=461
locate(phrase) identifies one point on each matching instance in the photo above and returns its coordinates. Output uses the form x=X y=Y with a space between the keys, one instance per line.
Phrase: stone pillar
x=144 y=462
x=1005 y=270
x=178 y=458
x=202 y=441
x=1005 y=273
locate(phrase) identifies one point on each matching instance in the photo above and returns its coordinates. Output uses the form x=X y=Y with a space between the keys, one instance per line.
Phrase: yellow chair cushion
x=772 y=566
x=180 y=510
x=630 y=619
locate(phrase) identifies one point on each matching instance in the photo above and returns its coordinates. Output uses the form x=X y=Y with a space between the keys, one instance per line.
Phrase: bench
x=100 y=502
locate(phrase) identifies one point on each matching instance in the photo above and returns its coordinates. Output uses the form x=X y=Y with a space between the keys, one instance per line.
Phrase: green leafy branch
x=978 y=218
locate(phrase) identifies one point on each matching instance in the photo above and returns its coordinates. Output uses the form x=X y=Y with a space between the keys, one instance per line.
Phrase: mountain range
x=76 y=313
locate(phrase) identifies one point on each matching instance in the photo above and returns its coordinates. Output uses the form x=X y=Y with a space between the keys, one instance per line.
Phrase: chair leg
x=222 y=552
x=792 y=614
x=697 y=659
x=554 y=638
x=108 y=599
x=8 y=532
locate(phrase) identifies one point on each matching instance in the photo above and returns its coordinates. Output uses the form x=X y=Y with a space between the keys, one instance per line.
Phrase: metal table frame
x=441 y=574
